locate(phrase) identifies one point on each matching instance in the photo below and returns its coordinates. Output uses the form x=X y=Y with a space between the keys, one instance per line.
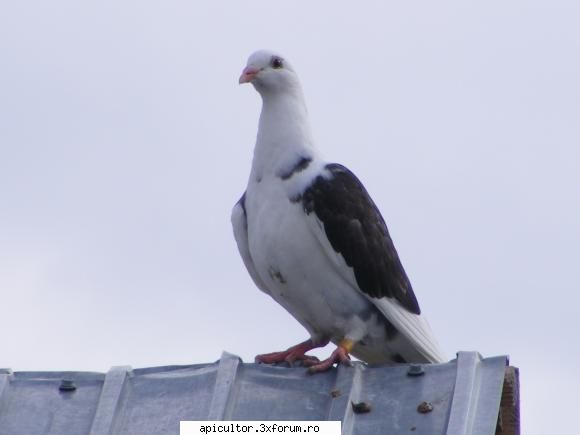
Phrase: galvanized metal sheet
x=459 y=397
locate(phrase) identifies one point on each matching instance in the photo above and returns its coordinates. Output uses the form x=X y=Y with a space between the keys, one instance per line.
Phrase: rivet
x=361 y=407
x=425 y=407
x=415 y=370
x=67 y=385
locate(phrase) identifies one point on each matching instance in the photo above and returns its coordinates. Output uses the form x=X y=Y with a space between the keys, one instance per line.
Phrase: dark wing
x=356 y=230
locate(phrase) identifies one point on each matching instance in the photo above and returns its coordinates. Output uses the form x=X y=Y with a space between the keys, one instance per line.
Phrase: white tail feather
x=413 y=327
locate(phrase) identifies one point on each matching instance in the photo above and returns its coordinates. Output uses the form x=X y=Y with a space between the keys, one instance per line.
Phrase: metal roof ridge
x=347 y=379
x=5 y=377
x=224 y=385
x=466 y=407
x=110 y=400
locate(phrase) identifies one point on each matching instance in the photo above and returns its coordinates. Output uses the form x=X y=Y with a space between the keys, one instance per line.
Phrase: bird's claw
x=339 y=356
x=291 y=355
x=290 y=359
x=304 y=360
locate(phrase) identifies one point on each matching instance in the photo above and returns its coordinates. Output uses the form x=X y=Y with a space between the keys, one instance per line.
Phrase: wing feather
x=354 y=235
x=414 y=327
x=240 y=227
x=356 y=230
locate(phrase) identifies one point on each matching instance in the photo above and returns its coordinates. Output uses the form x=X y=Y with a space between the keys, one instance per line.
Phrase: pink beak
x=248 y=74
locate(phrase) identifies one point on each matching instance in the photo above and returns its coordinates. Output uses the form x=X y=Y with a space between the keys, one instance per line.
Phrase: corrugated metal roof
x=459 y=397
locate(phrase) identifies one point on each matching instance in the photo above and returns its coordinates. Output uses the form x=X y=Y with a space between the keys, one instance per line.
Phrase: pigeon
x=312 y=239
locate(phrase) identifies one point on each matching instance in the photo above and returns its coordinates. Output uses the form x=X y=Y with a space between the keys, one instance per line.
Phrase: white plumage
x=312 y=239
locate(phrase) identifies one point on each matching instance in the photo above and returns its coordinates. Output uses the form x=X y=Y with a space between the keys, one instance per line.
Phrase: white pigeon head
x=269 y=72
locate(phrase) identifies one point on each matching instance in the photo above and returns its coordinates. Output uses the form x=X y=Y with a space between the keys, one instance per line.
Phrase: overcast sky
x=125 y=140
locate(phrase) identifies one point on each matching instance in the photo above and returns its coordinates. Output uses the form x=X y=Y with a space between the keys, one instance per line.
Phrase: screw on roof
x=415 y=370
x=67 y=385
x=361 y=407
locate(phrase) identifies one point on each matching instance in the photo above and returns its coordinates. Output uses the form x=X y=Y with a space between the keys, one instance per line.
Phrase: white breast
x=291 y=261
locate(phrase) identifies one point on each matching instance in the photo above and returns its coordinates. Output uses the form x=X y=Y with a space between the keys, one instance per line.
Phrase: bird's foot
x=339 y=356
x=292 y=354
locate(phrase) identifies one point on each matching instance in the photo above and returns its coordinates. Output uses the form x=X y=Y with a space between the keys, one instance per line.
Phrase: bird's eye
x=276 y=63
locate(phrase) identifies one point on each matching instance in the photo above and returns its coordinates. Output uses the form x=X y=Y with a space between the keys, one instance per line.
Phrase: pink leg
x=339 y=356
x=294 y=353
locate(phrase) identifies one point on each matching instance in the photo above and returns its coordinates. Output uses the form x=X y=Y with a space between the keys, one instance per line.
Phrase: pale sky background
x=125 y=140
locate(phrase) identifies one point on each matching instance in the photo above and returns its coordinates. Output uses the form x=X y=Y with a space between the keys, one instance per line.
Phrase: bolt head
x=67 y=385
x=415 y=370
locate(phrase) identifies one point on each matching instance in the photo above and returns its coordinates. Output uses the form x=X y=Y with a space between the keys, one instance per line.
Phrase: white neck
x=284 y=134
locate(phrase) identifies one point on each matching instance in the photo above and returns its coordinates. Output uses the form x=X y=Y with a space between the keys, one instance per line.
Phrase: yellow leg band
x=347 y=345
